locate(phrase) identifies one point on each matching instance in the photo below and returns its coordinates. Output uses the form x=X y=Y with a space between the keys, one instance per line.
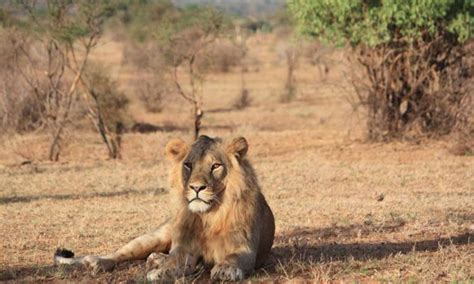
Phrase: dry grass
x=345 y=209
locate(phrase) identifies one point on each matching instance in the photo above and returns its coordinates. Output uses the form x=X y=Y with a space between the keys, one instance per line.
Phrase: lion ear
x=176 y=150
x=238 y=147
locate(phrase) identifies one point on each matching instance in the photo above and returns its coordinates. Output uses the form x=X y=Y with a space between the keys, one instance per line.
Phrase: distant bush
x=152 y=93
x=111 y=102
x=291 y=58
x=243 y=100
x=318 y=55
x=141 y=18
x=107 y=108
x=221 y=56
x=413 y=55
x=257 y=26
x=19 y=113
x=151 y=85
x=19 y=110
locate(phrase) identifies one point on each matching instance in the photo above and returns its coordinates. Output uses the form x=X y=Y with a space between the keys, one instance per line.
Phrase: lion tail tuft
x=62 y=252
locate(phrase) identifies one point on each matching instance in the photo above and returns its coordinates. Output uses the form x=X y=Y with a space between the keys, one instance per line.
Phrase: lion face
x=203 y=174
x=204 y=166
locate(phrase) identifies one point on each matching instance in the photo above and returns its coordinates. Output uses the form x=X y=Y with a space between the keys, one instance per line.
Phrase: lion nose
x=197 y=188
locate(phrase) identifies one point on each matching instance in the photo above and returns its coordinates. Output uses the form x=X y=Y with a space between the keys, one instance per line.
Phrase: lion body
x=219 y=216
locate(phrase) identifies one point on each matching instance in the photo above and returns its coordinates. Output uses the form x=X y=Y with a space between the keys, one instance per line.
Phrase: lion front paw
x=163 y=274
x=155 y=260
x=225 y=272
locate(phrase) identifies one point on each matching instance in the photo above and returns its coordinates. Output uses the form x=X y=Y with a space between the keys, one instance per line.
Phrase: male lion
x=220 y=217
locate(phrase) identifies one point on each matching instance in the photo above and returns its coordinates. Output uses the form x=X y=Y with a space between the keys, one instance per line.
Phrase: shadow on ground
x=30 y=198
x=133 y=272
x=302 y=245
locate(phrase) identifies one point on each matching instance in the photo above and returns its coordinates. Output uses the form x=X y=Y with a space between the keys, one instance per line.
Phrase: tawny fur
x=233 y=235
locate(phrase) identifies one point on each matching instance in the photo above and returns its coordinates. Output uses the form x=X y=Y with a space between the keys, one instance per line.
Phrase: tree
x=291 y=58
x=174 y=48
x=182 y=36
x=52 y=44
x=239 y=39
x=413 y=53
x=106 y=108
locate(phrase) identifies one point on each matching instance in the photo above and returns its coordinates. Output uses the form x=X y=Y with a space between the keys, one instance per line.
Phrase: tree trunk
x=55 y=147
x=198 y=113
x=111 y=140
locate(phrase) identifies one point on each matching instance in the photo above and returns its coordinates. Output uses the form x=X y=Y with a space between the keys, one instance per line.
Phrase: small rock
x=380 y=197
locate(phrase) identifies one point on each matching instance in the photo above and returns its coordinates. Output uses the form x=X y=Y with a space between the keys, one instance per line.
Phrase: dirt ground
x=345 y=209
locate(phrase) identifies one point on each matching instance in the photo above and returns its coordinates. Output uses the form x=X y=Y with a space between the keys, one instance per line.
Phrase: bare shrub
x=52 y=90
x=151 y=86
x=318 y=55
x=112 y=102
x=240 y=37
x=19 y=110
x=146 y=56
x=27 y=147
x=243 y=100
x=221 y=56
x=107 y=108
x=291 y=58
x=463 y=129
x=28 y=114
x=421 y=88
x=151 y=93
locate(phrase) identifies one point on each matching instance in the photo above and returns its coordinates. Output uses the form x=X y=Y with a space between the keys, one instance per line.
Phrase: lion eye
x=216 y=166
x=188 y=166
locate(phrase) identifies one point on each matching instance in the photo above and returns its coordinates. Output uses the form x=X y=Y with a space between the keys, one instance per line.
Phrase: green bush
x=376 y=22
x=415 y=55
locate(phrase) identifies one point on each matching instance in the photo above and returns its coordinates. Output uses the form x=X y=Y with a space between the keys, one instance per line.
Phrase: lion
x=220 y=218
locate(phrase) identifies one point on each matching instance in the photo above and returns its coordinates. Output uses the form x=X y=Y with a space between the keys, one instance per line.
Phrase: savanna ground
x=345 y=209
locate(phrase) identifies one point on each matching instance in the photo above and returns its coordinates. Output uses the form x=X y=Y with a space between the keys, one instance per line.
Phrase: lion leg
x=170 y=267
x=139 y=248
x=142 y=246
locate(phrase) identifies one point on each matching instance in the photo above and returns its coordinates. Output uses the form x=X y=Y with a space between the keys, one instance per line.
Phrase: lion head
x=203 y=171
